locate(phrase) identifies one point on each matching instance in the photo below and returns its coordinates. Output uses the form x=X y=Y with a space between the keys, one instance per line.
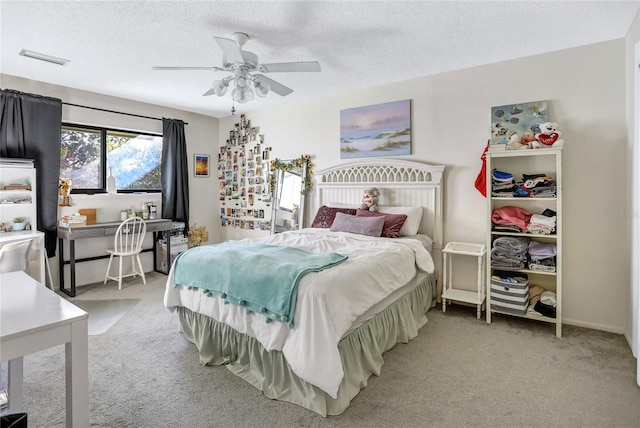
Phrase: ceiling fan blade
x=231 y=49
x=276 y=87
x=187 y=68
x=279 y=67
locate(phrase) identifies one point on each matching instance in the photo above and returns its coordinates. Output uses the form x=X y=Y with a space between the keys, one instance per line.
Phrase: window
x=89 y=154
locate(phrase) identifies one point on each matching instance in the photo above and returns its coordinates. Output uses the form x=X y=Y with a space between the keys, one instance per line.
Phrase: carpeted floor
x=104 y=313
x=459 y=372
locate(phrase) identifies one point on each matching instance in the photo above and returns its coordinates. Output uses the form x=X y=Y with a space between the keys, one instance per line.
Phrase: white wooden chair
x=128 y=243
x=14 y=256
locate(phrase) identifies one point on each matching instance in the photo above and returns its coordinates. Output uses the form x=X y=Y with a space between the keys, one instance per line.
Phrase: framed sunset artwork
x=201 y=165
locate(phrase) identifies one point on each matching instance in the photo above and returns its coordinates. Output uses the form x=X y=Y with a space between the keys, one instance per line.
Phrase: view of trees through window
x=89 y=154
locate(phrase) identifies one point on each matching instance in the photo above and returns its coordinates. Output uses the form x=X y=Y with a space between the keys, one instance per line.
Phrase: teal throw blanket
x=262 y=278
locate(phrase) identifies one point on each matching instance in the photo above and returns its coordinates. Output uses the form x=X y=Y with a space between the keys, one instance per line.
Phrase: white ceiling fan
x=247 y=70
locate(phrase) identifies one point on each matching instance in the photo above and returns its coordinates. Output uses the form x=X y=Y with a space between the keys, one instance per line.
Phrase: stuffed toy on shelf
x=548 y=137
x=64 y=192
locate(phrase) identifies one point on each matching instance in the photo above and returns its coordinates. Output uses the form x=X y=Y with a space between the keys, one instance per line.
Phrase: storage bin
x=510 y=292
x=161 y=259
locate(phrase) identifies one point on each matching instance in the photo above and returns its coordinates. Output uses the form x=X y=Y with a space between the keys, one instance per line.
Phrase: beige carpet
x=104 y=313
x=459 y=372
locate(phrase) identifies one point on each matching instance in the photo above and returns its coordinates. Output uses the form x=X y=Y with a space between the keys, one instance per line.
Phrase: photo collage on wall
x=243 y=171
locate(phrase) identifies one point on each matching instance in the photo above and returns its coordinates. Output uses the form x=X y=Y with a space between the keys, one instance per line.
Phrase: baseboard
x=629 y=341
x=593 y=326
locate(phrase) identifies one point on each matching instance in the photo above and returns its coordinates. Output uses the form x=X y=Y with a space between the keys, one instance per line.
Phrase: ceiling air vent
x=43 y=57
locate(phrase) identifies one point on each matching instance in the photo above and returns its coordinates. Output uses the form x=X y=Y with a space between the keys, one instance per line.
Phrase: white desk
x=36 y=252
x=33 y=318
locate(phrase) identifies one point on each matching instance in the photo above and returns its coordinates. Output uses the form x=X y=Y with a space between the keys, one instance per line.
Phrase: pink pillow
x=370 y=226
x=325 y=216
x=392 y=222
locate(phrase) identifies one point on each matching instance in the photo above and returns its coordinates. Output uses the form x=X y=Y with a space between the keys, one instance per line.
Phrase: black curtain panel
x=30 y=127
x=175 y=172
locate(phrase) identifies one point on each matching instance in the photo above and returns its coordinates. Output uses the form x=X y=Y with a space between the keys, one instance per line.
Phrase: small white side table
x=448 y=291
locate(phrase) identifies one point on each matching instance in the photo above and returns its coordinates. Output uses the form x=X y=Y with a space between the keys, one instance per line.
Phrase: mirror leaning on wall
x=291 y=181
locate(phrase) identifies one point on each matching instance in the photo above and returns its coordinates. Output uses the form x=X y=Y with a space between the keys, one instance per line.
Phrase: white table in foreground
x=34 y=318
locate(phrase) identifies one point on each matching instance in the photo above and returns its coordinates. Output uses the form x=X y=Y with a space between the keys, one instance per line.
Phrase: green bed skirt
x=361 y=351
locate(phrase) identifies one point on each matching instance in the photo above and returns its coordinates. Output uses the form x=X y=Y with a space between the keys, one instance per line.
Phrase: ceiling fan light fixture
x=262 y=88
x=242 y=95
x=220 y=87
x=242 y=82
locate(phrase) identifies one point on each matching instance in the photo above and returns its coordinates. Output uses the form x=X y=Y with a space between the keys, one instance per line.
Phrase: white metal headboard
x=401 y=183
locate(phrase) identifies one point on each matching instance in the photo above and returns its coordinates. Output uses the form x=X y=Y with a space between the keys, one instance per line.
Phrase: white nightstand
x=448 y=291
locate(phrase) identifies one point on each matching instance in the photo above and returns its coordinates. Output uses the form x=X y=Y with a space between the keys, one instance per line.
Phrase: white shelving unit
x=21 y=203
x=518 y=162
x=449 y=292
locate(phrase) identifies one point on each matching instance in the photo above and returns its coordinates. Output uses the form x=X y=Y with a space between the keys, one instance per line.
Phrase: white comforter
x=328 y=301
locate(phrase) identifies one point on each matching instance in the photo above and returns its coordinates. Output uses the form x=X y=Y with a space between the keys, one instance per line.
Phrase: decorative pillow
x=392 y=222
x=325 y=215
x=412 y=223
x=425 y=240
x=370 y=226
x=339 y=205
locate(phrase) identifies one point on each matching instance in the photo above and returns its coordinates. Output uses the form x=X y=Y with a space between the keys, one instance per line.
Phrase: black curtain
x=175 y=172
x=30 y=127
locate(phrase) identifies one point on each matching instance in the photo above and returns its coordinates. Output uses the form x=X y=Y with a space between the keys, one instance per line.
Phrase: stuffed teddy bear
x=64 y=186
x=527 y=138
x=548 y=137
x=370 y=199
x=517 y=142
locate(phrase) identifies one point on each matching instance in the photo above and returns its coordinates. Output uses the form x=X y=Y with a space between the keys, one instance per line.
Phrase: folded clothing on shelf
x=509 y=252
x=545 y=305
x=511 y=215
x=541 y=250
x=503 y=184
x=542 y=224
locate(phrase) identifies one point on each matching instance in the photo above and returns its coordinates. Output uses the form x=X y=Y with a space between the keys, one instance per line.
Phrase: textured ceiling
x=113 y=45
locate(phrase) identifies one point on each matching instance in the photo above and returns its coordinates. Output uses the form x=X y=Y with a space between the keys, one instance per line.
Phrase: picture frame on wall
x=376 y=130
x=201 y=165
x=520 y=119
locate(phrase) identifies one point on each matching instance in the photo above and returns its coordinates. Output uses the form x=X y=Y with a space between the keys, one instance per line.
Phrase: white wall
x=632 y=328
x=585 y=87
x=201 y=134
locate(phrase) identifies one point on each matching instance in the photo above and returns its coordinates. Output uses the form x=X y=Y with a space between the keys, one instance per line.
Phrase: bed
x=347 y=313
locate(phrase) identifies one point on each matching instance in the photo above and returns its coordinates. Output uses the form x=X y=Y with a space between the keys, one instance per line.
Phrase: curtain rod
x=116 y=112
